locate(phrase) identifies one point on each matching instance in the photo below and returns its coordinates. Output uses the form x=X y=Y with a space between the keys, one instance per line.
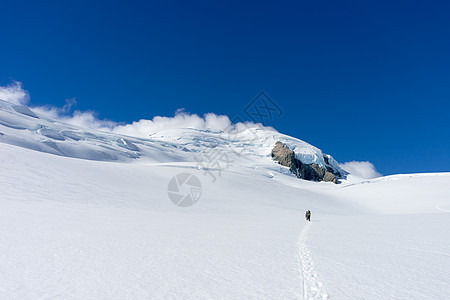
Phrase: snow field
x=103 y=227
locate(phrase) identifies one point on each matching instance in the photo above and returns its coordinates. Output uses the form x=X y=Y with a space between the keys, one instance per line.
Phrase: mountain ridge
x=241 y=143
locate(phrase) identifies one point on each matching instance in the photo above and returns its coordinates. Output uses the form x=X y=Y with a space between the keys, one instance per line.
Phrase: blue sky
x=362 y=81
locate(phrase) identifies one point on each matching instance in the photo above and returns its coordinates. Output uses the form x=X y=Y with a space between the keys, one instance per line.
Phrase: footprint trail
x=313 y=287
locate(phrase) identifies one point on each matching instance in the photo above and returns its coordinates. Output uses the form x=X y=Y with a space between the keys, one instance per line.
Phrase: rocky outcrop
x=286 y=157
x=329 y=177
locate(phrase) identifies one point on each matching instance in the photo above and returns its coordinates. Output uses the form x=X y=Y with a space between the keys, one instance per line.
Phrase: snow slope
x=104 y=227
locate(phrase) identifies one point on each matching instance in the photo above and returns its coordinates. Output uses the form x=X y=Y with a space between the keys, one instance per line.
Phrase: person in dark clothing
x=308 y=215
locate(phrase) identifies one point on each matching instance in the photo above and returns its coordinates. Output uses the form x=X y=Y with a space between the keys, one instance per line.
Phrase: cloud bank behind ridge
x=363 y=169
x=15 y=94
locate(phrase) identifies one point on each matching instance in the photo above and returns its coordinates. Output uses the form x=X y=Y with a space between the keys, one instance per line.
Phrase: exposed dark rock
x=329 y=177
x=286 y=157
x=311 y=172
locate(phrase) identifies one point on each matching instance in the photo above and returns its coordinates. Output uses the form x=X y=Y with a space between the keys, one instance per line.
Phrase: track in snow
x=313 y=287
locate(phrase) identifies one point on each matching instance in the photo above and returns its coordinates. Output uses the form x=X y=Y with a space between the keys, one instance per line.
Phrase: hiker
x=308 y=215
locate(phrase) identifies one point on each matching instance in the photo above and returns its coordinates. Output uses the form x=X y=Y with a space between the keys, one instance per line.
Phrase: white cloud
x=83 y=119
x=143 y=128
x=14 y=93
x=363 y=169
x=88 y=119
x=72 y=102
x=210 y=121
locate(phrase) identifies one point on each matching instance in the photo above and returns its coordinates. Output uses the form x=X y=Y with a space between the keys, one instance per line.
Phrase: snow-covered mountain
x=97 y=220
x=246 y=145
